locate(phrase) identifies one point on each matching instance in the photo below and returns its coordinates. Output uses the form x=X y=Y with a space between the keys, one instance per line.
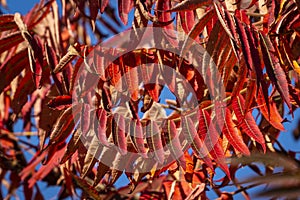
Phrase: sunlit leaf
x=12 y=67
x=119 y=133
x=224 y=118
x=171 y=138
x=209 y=135
x=124 y=8
x=193 y=138
x=7 y=22
x=137 y=137
x=153 y=137
x=246 y=121
x=72 y=53
x=190 y=5
x=60 y=102
x=275 y=72
x=272 y=115
x=10 y=41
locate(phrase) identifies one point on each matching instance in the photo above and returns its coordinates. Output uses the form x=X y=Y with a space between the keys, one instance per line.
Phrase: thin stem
x=225 y=100
x=252 y=14
x=243 y=189
x=212 y=105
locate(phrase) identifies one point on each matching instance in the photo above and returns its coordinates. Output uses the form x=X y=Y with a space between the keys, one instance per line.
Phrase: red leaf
x=52 y=162
x=221 y=16
x=162 y=16
x=119 y=134
x=34 y=17
x=98 y=60
x=242 y=75
x=10 y=41
x=52 y=62
x=72 y=53
x=72 y=147
x=60 y=102
x=64 y=125
x=149 y=73
x=190 y=5
x=137 y=137
x=224 y=118
x=26 y=87
x=153 y=137
x=70 y=187
x=246 y=121
x=274 y=71
x=208 y=133
x=171 y=138
x=196 y=31
x=258 y=64
x=244 y=43
x=103 y=5
x=187 y=20
x=102 y=121
x=271 y=115
x=102 y=169
x=94 y=8
x=12 y=67
x=124 y=7
x=113 y=71
x=131 y=78
x=36 y=69
x=7 y=22
x=190 y=133
x=85 y=118
x=242 y=16
x=281 y=83
x=189 y=167
x=30 y=168
x=251 y=91
x=229 y=18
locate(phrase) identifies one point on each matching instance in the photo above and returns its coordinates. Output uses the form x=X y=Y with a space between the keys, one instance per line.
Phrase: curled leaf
x=72 y=53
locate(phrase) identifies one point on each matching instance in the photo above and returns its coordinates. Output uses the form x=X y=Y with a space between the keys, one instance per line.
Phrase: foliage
x=255 y=46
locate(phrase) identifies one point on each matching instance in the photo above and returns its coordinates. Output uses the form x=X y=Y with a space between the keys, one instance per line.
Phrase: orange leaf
x=273 y=116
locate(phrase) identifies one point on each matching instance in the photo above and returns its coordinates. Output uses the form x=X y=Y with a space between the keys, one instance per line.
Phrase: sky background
x=286 y=138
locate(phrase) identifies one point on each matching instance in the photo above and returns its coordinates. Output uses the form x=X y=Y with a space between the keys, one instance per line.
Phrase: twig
x=243 y=189
x=26 y=133
x=225 y=100
x=212 y=105
x=251 y=14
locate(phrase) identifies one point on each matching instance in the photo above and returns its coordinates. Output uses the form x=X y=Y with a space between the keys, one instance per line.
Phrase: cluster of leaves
x=254 y=46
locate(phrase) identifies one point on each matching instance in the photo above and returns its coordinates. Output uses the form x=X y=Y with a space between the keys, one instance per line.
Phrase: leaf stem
x=225 y=100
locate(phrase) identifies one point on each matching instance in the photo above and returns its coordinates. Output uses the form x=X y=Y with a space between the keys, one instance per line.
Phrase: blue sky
x=286 y=138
